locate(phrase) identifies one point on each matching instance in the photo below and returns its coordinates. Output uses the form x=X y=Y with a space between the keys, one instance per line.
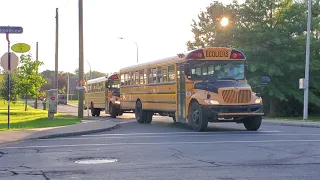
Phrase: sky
x=160 y=29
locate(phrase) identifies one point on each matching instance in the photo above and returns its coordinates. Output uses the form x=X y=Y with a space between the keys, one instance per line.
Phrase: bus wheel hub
x=195 y=116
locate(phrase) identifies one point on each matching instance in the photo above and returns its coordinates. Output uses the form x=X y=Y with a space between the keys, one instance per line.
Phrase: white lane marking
x=172 y=133
x=160 y=143
x=186 y=135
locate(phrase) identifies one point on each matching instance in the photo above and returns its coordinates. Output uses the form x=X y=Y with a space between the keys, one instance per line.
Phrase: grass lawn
x=313 y=118
x=32 y=118
x=74 y=102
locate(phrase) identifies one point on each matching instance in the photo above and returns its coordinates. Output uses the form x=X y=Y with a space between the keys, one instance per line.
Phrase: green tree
x=29 y=81
x=95 y=74
x=13 y=87
x=271 y=33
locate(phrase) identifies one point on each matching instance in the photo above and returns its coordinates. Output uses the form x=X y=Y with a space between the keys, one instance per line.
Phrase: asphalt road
x=166 y=150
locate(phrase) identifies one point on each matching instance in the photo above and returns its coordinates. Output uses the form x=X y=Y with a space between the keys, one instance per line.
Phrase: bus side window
x=171 y=73
x=159 y=75
x=154 y=75
x=122 y=79
x=149 y=76
x=141 y=76
x=102 y=87
x=137 y=77
x=126 y=79
x=145 y=76
x=165 y=74
x=131 y=77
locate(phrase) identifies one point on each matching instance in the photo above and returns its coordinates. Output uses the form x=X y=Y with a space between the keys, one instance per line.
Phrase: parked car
x=62 y=99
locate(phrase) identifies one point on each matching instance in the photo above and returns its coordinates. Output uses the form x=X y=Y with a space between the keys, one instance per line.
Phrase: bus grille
x=231 y=96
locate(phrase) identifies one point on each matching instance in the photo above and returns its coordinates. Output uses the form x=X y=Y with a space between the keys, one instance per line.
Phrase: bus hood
x=214 y=86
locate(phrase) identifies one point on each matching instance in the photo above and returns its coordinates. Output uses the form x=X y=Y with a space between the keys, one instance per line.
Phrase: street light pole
x=137 y=52
x=306 y=88
x=90 y=69
x=137 y=49
x=81 y=93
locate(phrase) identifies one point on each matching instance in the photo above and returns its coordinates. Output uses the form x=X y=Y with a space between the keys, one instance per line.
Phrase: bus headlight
x=258 y=101
x=117 y=102
x=213 y=102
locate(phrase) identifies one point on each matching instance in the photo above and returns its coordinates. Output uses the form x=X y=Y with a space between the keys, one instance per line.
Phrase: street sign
x=53 y=98
x=11 y=29
x=80 y=88
x=14 y=61
x=9 y=59
x=20 y=48
x=301 y=83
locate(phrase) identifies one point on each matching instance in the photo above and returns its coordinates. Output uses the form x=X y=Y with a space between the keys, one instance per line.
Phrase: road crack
x=23 y=166
x=2 y=154
x=41 y=173
x=13 y=173
x=179 y=154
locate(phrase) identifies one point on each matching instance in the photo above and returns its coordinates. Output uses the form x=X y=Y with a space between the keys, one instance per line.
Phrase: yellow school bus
x=196 y=87
x=103 y=94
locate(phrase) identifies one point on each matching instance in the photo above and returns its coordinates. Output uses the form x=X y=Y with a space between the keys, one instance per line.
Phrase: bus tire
x=252 y=123
x=97 y=112
x=140 y=116
x=174 y=119
x=198 y=119
x=112 y=111
x=93 y=110
x=148 y=115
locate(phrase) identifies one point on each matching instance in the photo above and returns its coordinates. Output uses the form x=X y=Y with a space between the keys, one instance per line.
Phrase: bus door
x=181 y=94
x=106 y=101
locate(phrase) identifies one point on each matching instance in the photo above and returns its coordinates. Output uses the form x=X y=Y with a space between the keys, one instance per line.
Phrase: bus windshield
x=220 y=70
x=115 y=84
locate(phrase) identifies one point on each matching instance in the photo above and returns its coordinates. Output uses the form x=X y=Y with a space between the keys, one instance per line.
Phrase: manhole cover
x=95 y=161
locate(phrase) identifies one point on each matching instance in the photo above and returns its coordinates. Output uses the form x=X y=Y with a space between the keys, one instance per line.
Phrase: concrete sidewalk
x=295 y=123
x=85 y=127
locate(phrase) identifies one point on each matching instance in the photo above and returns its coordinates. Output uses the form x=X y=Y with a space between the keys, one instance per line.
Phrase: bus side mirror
x=265 y=79
x=264 y=82
x=186 y=69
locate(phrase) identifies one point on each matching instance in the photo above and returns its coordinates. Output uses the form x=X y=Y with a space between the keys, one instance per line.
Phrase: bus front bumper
x=234 y=110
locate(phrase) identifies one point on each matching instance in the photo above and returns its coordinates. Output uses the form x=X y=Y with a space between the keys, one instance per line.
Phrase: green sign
x=20 y=48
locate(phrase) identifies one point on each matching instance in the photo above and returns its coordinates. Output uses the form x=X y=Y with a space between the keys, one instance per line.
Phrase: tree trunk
x=272 y=110
x=26 y=103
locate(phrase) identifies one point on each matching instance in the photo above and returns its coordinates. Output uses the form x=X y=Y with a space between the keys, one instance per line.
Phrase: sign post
x=7 y=30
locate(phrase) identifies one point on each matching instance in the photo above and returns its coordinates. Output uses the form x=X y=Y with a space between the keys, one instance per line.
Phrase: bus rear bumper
x=231 y=111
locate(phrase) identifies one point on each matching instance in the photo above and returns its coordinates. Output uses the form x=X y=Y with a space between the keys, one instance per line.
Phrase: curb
x=78 y=133
x=292 y=123
x=72 y=105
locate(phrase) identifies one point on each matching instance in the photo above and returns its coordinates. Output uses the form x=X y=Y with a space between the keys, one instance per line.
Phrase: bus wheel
x=198 y=118
x=93 y=112
x=113 y=111
x=252 y=123
x=97 y=112
x=148 y=115
x=138 y=113
x=174 y=118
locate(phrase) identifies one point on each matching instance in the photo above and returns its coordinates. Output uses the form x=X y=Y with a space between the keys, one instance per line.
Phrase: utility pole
x=36 y=100
x=68 y=87
x=306 y=87
x=57 y=49
x=81 y=59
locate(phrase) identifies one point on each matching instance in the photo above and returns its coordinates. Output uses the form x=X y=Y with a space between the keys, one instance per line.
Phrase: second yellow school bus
x=103 y=94
x=196 y=87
